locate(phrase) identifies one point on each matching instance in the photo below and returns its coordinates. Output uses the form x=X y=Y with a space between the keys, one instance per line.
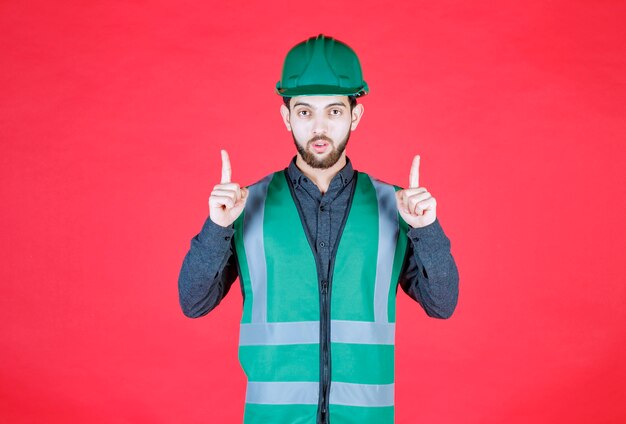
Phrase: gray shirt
x=429 y=274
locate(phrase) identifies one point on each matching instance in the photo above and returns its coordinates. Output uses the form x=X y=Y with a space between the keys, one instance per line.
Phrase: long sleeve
x=208 y=271
x=430 y=276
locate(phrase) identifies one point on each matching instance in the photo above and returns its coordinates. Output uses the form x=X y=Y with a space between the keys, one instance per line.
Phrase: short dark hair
x=351 y=100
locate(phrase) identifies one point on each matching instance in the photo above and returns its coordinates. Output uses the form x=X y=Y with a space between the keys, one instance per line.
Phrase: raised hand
x=227 y=199
x=415 y=204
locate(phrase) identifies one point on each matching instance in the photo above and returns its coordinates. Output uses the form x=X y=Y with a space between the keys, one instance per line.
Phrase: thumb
x=244 y=192
x=401 y=202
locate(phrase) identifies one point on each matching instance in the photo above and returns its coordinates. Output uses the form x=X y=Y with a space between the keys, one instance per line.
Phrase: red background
x=112 y=115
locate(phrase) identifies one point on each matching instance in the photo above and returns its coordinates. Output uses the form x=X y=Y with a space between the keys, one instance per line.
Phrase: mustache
x=319 y=138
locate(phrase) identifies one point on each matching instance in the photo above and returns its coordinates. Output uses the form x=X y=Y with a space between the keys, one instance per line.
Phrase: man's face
x=321 y=126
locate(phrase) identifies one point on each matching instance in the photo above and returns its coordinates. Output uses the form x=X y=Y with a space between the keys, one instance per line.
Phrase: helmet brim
x=321 y=90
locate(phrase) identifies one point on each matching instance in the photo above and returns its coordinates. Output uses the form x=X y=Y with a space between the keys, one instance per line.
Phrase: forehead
x=319 y=102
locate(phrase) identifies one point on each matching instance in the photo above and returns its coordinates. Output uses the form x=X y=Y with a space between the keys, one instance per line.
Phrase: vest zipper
x=325 y=348
x=323 y=416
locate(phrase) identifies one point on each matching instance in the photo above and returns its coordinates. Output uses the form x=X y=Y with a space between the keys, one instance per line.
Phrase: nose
x=320 y=126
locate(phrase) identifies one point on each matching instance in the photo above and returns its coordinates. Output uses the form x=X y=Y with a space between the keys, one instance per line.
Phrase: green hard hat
x=321 y=66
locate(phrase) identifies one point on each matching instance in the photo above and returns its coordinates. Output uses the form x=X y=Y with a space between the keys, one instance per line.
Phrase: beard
x=325 y=163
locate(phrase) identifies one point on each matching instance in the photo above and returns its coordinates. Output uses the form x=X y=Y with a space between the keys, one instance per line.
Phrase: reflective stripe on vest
x=306 y=393
x=280 y=328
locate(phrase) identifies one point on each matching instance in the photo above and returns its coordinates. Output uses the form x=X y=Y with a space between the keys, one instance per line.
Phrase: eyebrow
x=327 y=106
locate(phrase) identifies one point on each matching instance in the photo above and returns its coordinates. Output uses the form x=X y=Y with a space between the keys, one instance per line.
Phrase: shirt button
x=322 y=208
x=322 y=244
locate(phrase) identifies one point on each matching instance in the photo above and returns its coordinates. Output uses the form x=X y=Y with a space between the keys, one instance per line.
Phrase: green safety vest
x=316 y=350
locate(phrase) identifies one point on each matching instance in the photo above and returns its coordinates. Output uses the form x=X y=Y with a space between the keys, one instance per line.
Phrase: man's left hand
x=415 y=204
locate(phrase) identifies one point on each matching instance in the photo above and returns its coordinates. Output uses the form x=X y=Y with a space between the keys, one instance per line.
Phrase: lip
x=320 y=146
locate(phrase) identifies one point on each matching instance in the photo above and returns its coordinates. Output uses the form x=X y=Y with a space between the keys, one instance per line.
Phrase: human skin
x=329 y=118
x=326 y=121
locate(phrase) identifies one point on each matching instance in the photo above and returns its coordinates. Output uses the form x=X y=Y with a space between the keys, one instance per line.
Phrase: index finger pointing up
x=226 y=171
x=414 y=176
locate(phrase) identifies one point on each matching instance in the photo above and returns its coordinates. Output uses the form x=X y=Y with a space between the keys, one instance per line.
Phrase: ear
x=357 y=113
x=284 y=111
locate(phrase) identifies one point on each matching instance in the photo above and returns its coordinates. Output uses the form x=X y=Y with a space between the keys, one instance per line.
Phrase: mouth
x=320 y=146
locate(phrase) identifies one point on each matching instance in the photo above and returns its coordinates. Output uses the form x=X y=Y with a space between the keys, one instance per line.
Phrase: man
x=319 y=249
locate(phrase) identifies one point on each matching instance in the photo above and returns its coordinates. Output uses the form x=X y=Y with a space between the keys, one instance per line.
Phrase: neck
x=321 y=177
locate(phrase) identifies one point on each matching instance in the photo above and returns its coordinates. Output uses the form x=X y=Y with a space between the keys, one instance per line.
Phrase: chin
x=323 y=161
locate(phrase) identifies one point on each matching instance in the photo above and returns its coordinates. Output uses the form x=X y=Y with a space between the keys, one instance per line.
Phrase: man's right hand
x=227 y=199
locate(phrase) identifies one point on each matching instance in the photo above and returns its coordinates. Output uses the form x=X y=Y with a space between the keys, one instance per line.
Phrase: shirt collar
x=345 y=175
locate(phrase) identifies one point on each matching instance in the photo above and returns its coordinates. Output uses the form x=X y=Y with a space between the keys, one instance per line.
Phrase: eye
x=303 y=112
x=335 y=112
